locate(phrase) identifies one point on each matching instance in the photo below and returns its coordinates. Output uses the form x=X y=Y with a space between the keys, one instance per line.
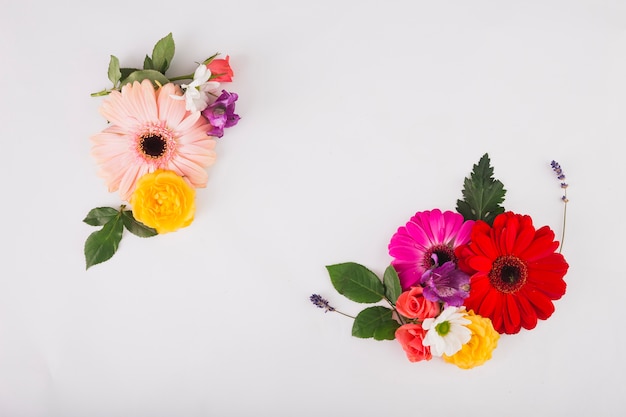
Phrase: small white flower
x=446 y=333
x=197 y=93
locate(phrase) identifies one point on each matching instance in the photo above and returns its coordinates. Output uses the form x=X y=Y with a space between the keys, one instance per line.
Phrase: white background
x=355 y=115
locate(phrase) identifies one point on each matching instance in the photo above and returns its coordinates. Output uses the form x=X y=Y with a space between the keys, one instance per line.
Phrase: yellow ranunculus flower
x=164 y=201
x=478 y=350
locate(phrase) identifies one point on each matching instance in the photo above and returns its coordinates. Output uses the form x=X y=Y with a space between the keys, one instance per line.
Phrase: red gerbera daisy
x=515 y=272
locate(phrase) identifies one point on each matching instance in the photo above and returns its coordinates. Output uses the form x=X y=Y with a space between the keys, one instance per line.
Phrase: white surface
x=355 y=115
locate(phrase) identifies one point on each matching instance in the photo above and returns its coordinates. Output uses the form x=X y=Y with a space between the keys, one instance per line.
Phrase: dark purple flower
x=446 y=283
x=221 y=114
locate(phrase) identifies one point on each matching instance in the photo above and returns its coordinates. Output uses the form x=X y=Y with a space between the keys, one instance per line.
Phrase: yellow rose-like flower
x=478 y=350
x=164 y=201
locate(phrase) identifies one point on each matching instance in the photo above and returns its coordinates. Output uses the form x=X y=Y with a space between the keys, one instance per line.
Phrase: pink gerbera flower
x=429 y=238
x=150 y=130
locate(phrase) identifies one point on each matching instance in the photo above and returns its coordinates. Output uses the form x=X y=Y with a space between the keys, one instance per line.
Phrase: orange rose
x=411 y=337
x=221 y=68
x=413 y=305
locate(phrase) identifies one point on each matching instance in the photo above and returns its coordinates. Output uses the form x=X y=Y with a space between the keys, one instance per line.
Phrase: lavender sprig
x=321 y=302
x=556 y=167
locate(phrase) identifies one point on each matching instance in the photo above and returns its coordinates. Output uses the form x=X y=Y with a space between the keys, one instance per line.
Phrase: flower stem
x=182 y=77
x=393 y=307
x=344 y=314
x=564 y=221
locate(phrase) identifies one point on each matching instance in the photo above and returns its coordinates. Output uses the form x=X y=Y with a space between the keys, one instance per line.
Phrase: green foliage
x=482 y=194
x=359 y=284
x=154 y=67
x=163 y=53
x=140 y=75
x=135 y=227
x=376 y=322
x=101 y=245
x=115 y=75
x=356 y=282
x=100 y=216
x=391 y=281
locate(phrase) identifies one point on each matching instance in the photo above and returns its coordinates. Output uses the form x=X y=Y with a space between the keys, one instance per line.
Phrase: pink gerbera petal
x=427 y=233
x=150 y=130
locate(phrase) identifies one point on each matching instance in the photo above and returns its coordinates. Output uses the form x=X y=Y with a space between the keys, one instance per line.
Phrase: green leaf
x=147 y=63
x=372 y=320
x=127 y=71
x=114 y=70
x=100 y=216
x=163 y=53
x=392 y=284
x=356 y=282
x=152 y=75
x=102 y=245
x=135 y=227
x=482 y=194
x=386 y=330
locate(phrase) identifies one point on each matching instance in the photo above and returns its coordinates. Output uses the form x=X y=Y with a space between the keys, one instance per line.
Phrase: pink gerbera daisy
x=151 y=130
x=429 y=238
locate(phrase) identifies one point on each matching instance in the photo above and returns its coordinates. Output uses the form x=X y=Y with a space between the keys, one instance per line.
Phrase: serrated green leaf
x=100 y=246
x=152 y=75
x=114 y=72
x=100 y=216
x=356 y=282
x=370 y=319
x=391 y=281
x=482 y=194
x=135 y=227
x=386 y=330
x=147 y=63
x=163 y=53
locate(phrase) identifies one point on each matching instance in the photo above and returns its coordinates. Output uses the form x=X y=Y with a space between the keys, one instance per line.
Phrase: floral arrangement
x=159 y=140
x=458 y=280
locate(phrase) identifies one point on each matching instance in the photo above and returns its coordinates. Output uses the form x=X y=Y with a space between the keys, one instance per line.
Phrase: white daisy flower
x=447 y=333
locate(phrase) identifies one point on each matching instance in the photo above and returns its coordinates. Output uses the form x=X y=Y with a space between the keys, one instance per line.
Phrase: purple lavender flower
x=446 y=283
x=321 y=302
x=221 y=114
x=556 y=167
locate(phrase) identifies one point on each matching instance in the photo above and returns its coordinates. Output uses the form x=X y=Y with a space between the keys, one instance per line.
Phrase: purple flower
x=446 y=283
x=221 y=114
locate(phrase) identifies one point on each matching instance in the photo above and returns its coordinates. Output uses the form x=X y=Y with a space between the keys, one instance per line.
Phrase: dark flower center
x=508 y=274
x=444 y=254
x=153 y=146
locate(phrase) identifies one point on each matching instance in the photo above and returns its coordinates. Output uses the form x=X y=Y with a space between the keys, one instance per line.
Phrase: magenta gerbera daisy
x=150 y=130
x=428 y=233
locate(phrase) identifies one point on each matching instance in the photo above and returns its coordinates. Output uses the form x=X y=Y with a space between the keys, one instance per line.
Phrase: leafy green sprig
x=359 y=284
x=101 y=245
x=154 y=68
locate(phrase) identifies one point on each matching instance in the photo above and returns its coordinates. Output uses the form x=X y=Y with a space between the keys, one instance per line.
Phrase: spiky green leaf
x=482 y=194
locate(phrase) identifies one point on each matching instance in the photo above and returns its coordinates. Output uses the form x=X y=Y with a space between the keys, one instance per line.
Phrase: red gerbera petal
x=520 y=273
x=541 y=303
x=527 y=313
